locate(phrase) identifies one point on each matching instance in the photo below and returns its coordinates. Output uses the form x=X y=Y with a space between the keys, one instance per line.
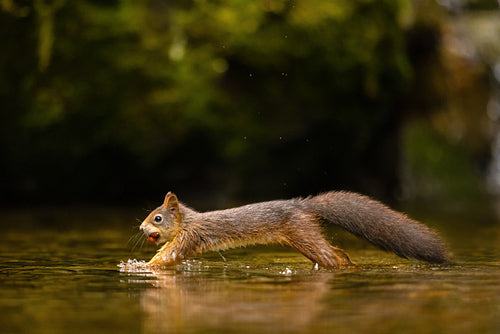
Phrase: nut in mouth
x=153 y=237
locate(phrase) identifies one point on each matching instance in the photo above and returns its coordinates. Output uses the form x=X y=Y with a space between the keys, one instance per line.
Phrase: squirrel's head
x=164 y=222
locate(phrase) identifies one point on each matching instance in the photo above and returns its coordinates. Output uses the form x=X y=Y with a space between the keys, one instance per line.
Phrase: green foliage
x=128 y=97
x=437 y=169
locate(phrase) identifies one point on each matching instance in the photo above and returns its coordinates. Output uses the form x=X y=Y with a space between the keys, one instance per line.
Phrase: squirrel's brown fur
x=294 y=222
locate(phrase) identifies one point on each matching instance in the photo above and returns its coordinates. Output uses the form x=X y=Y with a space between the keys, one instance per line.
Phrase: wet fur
x=294 y=222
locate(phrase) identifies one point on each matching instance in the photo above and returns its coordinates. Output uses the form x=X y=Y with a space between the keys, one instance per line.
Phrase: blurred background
x=225 y=102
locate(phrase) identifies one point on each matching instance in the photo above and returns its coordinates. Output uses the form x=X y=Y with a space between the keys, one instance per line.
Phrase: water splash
x=287 y=272
x=134 y=266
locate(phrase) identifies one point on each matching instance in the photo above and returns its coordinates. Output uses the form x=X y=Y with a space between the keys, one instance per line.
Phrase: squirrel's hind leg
x=326 y=256
x=311 y=243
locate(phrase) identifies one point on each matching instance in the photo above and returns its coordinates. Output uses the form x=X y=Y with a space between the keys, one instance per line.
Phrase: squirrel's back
x=375 y=222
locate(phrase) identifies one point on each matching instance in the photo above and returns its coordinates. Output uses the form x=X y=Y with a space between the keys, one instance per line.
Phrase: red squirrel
x=295 y=222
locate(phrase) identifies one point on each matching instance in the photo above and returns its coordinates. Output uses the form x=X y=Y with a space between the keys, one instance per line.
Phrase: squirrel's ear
x=172 y=205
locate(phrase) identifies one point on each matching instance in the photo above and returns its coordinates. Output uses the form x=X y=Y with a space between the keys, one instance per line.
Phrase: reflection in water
x=376 y=298
x=64 y=279
x=196 y=298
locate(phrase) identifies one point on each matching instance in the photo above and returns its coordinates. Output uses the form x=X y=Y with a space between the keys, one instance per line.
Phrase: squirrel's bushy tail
x=383 y=227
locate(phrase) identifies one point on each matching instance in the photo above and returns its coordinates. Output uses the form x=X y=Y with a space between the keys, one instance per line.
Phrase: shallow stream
x=59 y=274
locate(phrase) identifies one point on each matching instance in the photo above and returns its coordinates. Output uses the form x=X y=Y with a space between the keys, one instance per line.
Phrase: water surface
x=59 y=273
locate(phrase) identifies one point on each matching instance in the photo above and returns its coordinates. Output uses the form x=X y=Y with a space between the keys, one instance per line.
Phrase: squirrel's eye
x=158 y=218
